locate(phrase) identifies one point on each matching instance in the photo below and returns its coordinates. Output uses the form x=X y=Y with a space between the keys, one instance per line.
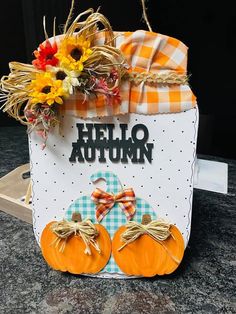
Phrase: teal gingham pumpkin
x=115 y=218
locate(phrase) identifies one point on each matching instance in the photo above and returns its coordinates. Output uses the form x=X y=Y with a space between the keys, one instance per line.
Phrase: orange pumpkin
x=73 y=258
x=146 y=256
x=175 y=246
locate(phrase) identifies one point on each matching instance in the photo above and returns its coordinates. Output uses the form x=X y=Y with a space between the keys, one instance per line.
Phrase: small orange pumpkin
x=73 y=258
x=175 y=246
x=144 y=256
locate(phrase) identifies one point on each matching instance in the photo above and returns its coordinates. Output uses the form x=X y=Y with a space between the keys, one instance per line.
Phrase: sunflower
x=73 y=51
x=46 y=90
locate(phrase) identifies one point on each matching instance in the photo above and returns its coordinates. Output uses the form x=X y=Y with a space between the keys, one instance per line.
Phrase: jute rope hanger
x=145 y=16
x=148 y=78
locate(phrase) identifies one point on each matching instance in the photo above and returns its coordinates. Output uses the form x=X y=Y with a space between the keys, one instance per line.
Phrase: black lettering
x=89 y=153
x=127 y=151
x=110 y=128
x=102 y=154
x=114 y=151
x=100 y=128
x=135 y=130
x=76 y=152
x=124 y=128
x=97 y=140
x=82 y=134
x=146 y=151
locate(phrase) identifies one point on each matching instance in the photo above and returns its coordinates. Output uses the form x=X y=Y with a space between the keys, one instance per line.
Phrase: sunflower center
x=46 y=89
x=61 y=75
x=49 y=56
x=76 y=53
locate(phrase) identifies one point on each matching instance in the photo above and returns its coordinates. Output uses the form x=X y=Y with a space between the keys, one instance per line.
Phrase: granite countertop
x=204 y=282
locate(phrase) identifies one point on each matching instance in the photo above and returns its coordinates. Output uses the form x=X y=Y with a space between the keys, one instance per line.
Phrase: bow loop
x=158 y=230
x=85 y=229
x=105 y=201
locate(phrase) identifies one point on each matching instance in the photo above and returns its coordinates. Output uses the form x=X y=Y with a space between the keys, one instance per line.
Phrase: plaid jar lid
x=147 y=54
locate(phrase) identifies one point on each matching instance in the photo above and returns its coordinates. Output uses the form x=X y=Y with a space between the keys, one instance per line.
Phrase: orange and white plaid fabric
x=145 y=52
x=105 y=201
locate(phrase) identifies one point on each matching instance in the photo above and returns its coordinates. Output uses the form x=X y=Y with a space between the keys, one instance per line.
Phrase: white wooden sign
x=158 y=164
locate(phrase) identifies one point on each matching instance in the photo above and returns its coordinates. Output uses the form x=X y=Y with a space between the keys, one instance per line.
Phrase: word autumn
x=97 y=141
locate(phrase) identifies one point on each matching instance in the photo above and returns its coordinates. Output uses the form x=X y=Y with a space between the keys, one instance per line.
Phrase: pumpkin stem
x=146 y=219
x=76 y=217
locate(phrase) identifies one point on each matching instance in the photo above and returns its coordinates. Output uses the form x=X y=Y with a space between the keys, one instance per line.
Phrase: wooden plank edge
x=16 y=208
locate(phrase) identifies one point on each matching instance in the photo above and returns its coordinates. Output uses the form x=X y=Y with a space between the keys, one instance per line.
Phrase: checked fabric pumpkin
x=145 y=256
x=74 y=253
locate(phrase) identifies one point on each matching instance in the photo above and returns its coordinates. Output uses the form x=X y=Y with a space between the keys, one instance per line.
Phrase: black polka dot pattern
x=166 y=183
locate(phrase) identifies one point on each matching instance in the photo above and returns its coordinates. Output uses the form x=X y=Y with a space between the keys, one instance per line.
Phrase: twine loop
x=168 y=78
x=158 y=230
x=85 y=229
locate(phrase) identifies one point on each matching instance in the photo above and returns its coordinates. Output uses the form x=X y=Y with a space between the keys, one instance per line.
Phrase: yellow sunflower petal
x=50 y=102
x=59 y=100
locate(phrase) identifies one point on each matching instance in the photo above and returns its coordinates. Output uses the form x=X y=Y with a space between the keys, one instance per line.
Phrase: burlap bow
x=105 y=201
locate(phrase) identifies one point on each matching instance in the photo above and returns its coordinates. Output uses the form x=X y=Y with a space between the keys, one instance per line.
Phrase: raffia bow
x=85 y=229
x=105 y=201
x=158 y=230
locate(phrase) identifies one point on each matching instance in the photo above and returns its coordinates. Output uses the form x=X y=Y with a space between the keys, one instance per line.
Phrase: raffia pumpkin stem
x=146 y=219
x=84 y=228
x=76 y=217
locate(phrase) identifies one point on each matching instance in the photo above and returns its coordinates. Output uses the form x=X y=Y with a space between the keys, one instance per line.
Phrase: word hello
x=97 y=141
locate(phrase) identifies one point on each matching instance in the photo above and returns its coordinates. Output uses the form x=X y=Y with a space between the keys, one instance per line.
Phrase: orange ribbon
x=105 y=201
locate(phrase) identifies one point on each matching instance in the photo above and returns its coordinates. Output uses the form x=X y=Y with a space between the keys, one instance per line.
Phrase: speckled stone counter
x=204 y=283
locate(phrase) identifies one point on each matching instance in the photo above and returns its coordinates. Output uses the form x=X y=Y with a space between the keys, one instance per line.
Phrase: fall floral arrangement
x=83 y=62
x=64 y=65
